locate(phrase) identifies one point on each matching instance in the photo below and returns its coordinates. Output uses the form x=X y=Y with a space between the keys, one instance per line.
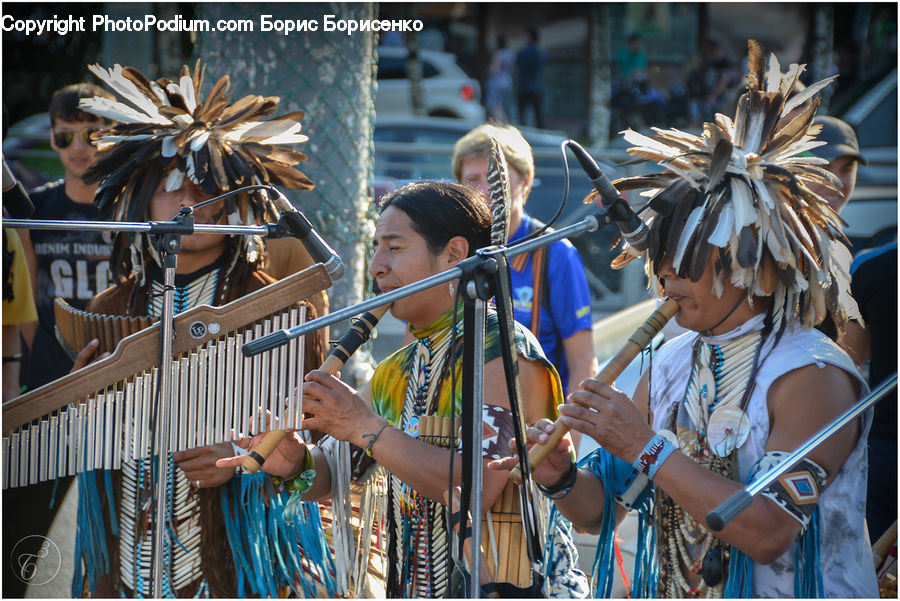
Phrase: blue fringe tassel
x=91 y=554
x=646 y=572
x=807 y=567
x=740 y=576
x=268 y=552
x=643 y=585
x=807 y=562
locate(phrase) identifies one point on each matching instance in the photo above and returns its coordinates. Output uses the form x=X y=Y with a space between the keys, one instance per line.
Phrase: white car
x=448 y=91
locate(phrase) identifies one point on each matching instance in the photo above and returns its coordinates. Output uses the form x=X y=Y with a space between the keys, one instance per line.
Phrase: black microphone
x=297 y=223
x=15 y=198
x=633 y=229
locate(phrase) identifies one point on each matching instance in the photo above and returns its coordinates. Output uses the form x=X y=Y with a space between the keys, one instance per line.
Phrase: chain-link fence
x=330 y=76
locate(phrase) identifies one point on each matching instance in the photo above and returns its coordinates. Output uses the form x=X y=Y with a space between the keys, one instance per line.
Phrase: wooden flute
x=359 y=332
x=642 y=336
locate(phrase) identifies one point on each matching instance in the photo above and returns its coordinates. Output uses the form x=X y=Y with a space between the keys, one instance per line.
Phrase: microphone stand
x=482 y=277
x=719 y=517
x=281 y=337
x=169 y=243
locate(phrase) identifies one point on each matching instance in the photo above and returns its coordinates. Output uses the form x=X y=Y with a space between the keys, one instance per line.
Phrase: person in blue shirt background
x=550 y=289
x=530 y=81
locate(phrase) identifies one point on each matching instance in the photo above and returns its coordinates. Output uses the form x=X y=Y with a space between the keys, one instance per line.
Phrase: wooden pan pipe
x=503 y=543
x=100 y=416
x=77 y=327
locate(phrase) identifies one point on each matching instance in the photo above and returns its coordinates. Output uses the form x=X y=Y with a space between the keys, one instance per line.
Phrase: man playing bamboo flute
x=424 y=229
x=741 y=242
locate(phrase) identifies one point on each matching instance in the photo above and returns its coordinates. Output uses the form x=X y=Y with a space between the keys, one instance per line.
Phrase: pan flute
x=503 y=541
x=100 y=416
x=75 y=328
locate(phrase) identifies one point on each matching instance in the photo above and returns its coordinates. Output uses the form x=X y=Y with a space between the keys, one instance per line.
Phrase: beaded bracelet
x=563 y=487
x=302 y=481
x=654 y=454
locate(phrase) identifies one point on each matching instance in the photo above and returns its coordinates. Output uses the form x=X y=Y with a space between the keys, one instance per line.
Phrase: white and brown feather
x=743 y=189
x=499 y=192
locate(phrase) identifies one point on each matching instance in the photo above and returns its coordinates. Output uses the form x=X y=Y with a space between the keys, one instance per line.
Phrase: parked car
x=27 y=150
x=448 y=91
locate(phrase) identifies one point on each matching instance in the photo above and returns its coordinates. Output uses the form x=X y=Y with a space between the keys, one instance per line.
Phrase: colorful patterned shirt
x=418 y=547
x=388 y=388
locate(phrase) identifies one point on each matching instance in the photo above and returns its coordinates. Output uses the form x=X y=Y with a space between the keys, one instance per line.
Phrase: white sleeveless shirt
x=846 y=553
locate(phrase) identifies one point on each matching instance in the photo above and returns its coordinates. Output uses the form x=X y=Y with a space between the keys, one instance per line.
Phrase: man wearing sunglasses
x=72 y=265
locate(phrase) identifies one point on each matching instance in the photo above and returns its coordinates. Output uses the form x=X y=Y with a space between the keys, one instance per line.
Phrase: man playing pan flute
x=741 y=242
x=172 y=149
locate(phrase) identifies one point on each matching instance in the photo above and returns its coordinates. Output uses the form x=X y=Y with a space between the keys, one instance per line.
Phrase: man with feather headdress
x=739 y=239
x=169 y=149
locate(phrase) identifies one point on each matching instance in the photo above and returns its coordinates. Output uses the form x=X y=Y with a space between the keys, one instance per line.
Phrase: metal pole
x=477 y=465
x=741 y=500
x=132 y=226
x=275 y=339
x=161 y=421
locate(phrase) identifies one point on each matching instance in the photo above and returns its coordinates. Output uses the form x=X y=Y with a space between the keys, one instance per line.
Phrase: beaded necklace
x=181 y=561
x=419 y=536
x=709 y=425
x=200 y=290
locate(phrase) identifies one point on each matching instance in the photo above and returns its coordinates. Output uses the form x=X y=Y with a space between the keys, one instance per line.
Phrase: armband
x=797 y=491
x=654 y=454
x=629 y=487
x=498 y=430
x=301 y=482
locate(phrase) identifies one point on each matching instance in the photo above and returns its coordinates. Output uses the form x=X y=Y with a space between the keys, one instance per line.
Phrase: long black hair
x=441 y=210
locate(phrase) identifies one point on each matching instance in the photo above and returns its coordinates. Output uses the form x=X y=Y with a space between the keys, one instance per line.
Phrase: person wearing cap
x=740 y=242
x=841 y=149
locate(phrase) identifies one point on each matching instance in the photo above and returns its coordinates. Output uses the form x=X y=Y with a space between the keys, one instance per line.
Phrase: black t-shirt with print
x=72 y=264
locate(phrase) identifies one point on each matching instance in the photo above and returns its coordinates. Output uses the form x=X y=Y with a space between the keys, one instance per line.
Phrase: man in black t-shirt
x=73 y=265
x=70 y=264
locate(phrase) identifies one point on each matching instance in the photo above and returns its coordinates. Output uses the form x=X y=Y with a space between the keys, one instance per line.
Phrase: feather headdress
x=168 y=131
x=740 y=193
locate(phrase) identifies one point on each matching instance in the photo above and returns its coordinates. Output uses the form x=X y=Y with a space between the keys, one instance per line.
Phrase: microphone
x=633 y=229
x=15 y=198
x=300 y=227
